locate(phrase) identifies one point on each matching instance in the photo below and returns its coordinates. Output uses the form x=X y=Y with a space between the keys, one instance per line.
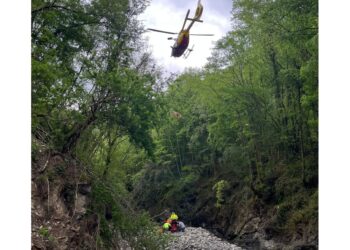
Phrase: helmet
x=173 y=216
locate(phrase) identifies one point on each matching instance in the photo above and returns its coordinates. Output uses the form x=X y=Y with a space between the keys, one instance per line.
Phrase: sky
x=169 y=15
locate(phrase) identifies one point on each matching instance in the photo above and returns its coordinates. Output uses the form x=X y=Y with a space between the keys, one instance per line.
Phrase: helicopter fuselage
x=183 y=38
x=181 y=43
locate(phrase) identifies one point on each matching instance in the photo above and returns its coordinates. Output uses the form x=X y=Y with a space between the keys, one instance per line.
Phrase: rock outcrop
x=59 y=204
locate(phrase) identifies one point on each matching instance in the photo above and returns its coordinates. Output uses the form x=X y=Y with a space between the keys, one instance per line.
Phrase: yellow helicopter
x=183 y=38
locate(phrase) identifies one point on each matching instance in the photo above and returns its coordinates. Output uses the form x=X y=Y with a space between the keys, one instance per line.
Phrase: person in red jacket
x=174 y=225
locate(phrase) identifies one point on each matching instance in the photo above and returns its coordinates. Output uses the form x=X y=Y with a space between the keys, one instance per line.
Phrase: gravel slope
x=199 y=238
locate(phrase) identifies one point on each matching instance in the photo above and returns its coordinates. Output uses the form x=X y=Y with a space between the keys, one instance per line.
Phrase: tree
x=82 y=71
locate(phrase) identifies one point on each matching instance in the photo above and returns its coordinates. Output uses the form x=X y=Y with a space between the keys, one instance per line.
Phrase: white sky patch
x=164 y=15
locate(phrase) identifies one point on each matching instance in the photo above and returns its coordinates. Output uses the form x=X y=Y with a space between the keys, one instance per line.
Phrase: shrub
x=219 y=189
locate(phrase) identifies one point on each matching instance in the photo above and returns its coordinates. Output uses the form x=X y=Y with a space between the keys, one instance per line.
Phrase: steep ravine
x=247 y=222
x=242 y=218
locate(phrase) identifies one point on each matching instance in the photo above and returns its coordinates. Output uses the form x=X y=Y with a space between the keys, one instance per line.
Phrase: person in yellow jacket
x=173 y=216
x=166 y=226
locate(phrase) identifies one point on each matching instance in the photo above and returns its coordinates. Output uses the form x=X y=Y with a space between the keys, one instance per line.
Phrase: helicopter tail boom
x=197 y=16
x=186 y=18
x=199 y=10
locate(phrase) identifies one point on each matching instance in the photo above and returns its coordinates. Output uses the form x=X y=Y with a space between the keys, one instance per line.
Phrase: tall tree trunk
x=279 y=97
x=253 y=174
x=73 y=138
x=75 y=135
x=301 y=132
x=111 y=143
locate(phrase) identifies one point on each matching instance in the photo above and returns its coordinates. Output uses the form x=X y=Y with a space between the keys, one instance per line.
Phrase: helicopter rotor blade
x=162 y=31
x=201 y=34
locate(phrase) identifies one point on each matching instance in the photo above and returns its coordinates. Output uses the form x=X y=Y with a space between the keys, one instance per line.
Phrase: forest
x=231 y=147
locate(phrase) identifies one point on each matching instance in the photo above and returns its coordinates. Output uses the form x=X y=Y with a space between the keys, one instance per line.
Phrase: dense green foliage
x=83 y=74
x=248 y=119
x=251 y=116
x=93 y=98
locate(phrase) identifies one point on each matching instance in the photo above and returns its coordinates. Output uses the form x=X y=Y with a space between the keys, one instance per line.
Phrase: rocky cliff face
x=60 y=197
x=247 y=221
